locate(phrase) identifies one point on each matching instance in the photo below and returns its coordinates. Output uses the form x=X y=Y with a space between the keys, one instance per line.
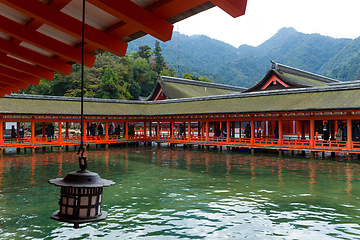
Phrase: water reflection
x=166 y=193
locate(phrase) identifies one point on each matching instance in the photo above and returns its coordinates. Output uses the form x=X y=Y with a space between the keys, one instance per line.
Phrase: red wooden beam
x=234 y=8
x=138 y=17
x=40 y=40
x=35 y=71
x=176 y=7
x=8 y=87
x=63 y=22
x=8 y=72
x=163 y=9
x=13 y=82
x=34 y=57
x=3 y=92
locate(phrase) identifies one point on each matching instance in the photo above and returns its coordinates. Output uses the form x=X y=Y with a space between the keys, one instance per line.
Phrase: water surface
x=164 y=193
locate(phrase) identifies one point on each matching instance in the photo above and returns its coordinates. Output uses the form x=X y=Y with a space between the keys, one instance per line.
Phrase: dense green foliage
x=111 y=77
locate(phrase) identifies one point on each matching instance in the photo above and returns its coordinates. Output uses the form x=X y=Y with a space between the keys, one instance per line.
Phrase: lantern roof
x=83 y=178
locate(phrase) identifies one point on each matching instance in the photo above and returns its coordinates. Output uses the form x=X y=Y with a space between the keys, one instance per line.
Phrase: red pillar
x=126 y=127
x=32 y=140
x=17 y=129
x=312 y=132
x=145 y=129
x=171 y=129
x=60 y=132
x=280 y=132
x=349 y=133
x=158 y=130
x=107 y=131
x=85 y=130
x=189 y=131
x=252 y=139
x=228 y=131
x=1 y=132
x=207 y=127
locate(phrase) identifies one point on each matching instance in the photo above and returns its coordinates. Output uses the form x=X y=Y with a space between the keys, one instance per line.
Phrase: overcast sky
x=263 y=18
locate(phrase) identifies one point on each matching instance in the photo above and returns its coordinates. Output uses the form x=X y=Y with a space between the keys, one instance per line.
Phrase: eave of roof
x=287 y=100
x=175 y=88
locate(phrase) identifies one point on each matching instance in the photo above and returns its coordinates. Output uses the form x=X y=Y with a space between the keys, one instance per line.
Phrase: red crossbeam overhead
x=13 y=82
x=35 y=57
x=38 y=38
x=136 y=16
x=35 y=71
x=67 y=24
x=9 y=87
x=18 y=75
x=234 y=8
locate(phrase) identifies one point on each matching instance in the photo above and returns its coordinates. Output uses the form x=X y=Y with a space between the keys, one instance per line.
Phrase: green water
x=164 y=193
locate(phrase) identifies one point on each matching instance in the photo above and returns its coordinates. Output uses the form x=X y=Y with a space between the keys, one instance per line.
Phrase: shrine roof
x=292 y=77
x=175 y=88
x=328 y=98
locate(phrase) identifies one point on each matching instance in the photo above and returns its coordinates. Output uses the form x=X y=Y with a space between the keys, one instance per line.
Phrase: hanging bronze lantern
x=81 y=197
x=81 y=191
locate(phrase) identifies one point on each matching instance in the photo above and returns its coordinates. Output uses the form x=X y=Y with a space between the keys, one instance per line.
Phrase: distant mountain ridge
x=246 y=65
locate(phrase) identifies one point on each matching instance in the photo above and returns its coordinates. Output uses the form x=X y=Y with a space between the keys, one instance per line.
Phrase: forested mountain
x=246 y=65
x=199 y=57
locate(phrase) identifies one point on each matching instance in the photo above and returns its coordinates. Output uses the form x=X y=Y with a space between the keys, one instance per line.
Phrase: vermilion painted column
x=1 y=132
x=126 y=127
x=106 y=131
x=17 y=129
x=189 y=130
x=207 y=127
x=85 y=130
x=145 y=129
x=171 y=129
x=349 y=132
x=312 y=132
x=280 y=132
x=32 y=140
x=158 y=130
x=228 y=131
x=252 y=139
x=60 y=132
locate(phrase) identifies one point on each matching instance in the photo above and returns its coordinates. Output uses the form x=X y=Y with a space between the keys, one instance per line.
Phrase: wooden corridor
x=296 y=132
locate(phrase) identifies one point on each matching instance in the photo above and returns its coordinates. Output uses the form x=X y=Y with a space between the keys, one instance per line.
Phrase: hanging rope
x=82 y=159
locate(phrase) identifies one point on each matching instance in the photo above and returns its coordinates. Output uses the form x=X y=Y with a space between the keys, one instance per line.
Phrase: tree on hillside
x=109 y=88
x=205 y=79
x=143 y=75
x=168 y=72
x=144 y=52
x=159 y=59
x=194 y=77
x=190 y=76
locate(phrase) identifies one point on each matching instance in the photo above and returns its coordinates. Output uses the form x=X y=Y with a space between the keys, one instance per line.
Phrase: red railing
x=286 y=143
